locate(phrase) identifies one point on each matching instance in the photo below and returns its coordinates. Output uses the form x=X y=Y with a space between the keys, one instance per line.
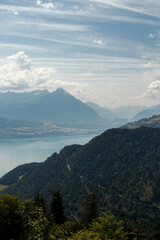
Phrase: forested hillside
x=121 y=166
x=152 y=122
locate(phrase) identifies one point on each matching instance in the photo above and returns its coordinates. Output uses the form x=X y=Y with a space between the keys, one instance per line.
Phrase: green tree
x=40 y=202
x=38 y=225
x=57 y=208
x=11 y=221
x=105 y=227
x=90 y=208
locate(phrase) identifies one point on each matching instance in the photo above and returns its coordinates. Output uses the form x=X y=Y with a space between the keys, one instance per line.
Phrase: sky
x=102 y=51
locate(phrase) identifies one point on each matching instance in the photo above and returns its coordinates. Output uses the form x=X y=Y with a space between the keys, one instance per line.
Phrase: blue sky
x=104 y=51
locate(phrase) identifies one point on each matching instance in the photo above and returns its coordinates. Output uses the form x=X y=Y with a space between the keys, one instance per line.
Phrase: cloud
x=16 y=13
x=48 y=5
x=99 y=42
x=153 y=90
x=18 y=75
x=151 y=36
x=147 y=7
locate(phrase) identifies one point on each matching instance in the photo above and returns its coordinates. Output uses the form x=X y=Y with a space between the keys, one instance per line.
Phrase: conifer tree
x=90 y=207
x=57 y=208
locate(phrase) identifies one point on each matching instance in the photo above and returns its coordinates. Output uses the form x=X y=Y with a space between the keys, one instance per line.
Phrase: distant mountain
x=155 y=110
x=103 y=112
x=127 y=111
x=112 y=119
x=119 y=115
x=11 y=98
x=152 y=122
x=58 y=106
x=122 y=166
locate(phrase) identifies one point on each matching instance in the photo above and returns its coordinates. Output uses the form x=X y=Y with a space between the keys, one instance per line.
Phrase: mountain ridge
x=58 y=106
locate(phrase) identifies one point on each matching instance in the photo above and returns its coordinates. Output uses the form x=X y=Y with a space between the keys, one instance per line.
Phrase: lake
x=14 y=152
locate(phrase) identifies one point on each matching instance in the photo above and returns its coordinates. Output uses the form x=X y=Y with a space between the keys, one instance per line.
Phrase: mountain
x=58 y=106
x=103 y=112
x=154 y=110
x=16 y=174
x=152 y=122
x=112 y=119
x=127 y=111
x=122 y=166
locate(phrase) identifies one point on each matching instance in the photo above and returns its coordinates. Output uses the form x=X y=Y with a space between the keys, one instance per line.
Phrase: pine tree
x=57 y=208
x=90 y=207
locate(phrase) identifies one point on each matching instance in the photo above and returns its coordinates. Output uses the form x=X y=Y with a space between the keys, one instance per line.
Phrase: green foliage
x=106 y=227
x=38 y=225
x=10 y=218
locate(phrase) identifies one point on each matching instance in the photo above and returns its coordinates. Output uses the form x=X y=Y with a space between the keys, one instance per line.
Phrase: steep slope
x=152 y=122
x=122 y=166
x=103 y=112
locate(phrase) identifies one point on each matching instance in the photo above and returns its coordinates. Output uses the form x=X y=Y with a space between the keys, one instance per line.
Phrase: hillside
x=17 y=173
x=13 y=128
x=152 y=122
x=122 y=166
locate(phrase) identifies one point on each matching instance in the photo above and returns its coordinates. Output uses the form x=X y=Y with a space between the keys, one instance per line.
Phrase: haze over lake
x=14 y=152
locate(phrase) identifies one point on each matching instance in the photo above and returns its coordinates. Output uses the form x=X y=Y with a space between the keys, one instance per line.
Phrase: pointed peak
x=61 y=90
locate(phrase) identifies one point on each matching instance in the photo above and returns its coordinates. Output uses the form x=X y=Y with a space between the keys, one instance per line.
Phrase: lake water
x=15 y=152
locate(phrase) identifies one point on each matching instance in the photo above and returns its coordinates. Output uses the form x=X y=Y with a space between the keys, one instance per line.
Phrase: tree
x=104 y=227
x=90 y=207
x=11 y=223
x=38 y=225
x=40 y=202
x=157 y=230
x=57 y=208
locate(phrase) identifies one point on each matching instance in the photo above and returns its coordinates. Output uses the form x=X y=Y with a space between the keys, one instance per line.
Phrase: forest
x=36 y=220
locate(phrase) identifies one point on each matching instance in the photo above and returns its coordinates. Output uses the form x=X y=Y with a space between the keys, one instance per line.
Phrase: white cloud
x=99 y=42
x=16 y=13
x=153 y=90
x=151 y=36
x=149 y=7
x=48 y=5
x=19 y=60
x=18 y=75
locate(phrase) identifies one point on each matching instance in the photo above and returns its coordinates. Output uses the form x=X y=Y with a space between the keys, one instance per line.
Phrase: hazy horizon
x=99 y=51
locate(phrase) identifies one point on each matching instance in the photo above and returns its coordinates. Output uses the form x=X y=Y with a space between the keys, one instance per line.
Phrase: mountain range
x=58 y=106
x=149 y=112
x=121 y=166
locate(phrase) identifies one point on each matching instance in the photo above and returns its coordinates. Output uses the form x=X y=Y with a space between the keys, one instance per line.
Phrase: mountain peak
x=61 y=90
